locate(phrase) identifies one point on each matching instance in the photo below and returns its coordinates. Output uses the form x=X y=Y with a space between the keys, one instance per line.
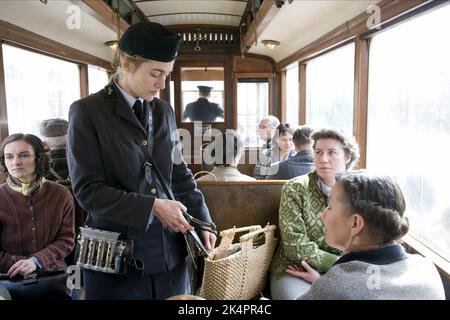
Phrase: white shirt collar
x=128 y=97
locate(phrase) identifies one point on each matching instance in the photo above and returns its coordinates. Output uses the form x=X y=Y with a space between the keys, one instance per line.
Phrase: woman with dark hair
x=282 y=148
x=302 y=201
x=36 y=216
x=365 y=219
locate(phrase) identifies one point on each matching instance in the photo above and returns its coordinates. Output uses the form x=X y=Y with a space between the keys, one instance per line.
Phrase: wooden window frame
x=246 y=75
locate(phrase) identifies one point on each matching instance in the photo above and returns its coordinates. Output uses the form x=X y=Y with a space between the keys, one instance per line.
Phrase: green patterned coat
x=302 y=230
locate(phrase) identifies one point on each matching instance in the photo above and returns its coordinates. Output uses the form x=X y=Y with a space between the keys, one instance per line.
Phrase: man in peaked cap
x=108 y=133
x=54 y=134
x=202 y=109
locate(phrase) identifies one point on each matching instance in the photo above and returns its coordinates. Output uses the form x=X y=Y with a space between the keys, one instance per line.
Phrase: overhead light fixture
x=44 y=1
x=271 y=44
x=114 y=44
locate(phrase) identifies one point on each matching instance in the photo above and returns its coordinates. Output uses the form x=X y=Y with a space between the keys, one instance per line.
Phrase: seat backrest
x=242 y=203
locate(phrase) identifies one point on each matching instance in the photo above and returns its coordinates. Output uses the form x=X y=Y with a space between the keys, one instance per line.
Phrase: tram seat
x=242 y=203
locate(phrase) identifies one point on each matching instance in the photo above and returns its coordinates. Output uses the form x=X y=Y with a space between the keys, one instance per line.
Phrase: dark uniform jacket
x=107 y=172
x=298 y=165
x=203 y=110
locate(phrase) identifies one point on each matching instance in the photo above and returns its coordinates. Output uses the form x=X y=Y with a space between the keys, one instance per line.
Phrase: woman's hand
x=170 y=214
x=209 y=240
x=22 y=267
x=303 y=271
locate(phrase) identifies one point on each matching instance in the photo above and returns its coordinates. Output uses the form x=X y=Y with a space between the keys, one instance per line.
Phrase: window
x=252 y=106
x=202 y=94
x=98 y=78
x=329 y=89
x=38 y=87
x=408 y=120
x=292 y=91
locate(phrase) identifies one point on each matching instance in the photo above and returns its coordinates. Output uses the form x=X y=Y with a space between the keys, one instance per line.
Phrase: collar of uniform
x=381 y=256
x=128 y=97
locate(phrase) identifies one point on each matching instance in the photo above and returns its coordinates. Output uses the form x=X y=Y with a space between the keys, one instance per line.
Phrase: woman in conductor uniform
x=110 y=180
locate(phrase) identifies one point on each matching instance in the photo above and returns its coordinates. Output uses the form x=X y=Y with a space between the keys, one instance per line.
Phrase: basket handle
x=228 y=235
x=247 y=239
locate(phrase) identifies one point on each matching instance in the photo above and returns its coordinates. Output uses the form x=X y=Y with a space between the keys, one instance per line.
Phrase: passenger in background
x=302 y=201
x=203 y=109
x=266 y=128
x=226 y=151
x=300 y=164
x=36 y=215
x=282 y=149
x=54 y=134
x=365 y=219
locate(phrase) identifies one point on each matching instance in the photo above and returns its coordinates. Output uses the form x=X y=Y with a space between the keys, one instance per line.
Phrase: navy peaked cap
x=151 y=41
x=204 y=89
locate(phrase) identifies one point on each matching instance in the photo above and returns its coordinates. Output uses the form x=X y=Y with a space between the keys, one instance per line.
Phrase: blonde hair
x=120 y=57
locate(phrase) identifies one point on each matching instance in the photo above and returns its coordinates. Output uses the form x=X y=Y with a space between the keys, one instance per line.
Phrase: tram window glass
x=252 y=106
x=38 y=87
x=97 y=78
x=329 y=89
x=292 y=94
x=191 y=78
x=408 y=120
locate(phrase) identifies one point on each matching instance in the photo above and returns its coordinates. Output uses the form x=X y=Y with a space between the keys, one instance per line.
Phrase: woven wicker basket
x=240 y=272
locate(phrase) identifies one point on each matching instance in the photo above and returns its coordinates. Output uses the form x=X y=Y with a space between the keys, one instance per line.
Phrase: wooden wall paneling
x=100 y=11
x=3 y=109
x=302 y=93
x=253 y=63
x=282 y=95
x=242 y=203
x=84 y=80
x=266 y=13
x=361 y=96
x=230 y=115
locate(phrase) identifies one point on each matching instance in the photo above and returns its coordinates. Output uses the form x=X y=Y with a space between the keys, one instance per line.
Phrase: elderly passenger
x=267 y=127
x=302 y=201
x=365 y=219
x=225 y=151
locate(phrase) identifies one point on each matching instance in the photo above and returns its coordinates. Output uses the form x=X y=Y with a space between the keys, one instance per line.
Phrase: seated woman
x=282 y=148
x=302 y=201
x=365 y=219
x=36 y=216
x=225 y=152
